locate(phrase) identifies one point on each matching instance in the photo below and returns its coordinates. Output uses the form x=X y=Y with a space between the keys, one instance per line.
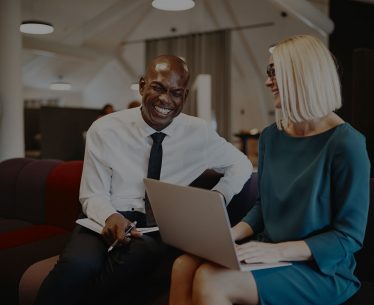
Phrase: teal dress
x=314 y=189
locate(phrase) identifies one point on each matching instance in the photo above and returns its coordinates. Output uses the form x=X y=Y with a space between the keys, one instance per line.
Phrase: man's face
x=164 y=93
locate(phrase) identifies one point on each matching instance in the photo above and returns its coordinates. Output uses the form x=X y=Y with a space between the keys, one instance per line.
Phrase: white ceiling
x=96 y=39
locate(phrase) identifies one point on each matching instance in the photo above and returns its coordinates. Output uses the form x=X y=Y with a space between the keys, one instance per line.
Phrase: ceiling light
x=173 y=5
x=62 y=86
x=36 y=27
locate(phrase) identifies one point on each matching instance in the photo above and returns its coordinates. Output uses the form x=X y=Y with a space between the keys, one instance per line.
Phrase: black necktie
x=154 y=170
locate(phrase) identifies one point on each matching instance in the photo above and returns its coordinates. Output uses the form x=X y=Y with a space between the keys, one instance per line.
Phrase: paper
x=98 y=228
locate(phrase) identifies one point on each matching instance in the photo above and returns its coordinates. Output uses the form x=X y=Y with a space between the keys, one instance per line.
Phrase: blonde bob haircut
x=307 y=79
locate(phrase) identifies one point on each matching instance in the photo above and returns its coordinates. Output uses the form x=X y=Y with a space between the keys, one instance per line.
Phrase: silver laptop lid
x=193 y=220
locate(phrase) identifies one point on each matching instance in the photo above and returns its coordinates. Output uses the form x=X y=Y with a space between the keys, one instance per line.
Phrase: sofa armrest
x=24 y=193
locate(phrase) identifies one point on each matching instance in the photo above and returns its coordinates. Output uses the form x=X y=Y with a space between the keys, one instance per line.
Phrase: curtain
x=204 y=53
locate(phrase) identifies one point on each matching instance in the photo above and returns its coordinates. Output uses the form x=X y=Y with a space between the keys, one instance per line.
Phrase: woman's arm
x=259 y=252
x=241 y=230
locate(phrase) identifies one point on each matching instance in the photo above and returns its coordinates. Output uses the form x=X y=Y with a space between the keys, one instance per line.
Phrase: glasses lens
x=270 y=71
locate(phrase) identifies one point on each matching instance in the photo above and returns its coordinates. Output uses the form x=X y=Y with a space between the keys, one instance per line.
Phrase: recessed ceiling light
x=173 y=5
x=36 y=27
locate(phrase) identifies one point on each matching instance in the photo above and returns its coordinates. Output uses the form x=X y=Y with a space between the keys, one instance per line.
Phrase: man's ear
x=141 y=85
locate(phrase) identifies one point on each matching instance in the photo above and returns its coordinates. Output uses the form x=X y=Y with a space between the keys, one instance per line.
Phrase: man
x=112 y=191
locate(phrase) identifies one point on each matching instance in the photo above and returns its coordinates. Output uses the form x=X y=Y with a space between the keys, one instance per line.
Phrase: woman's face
x=271 y=83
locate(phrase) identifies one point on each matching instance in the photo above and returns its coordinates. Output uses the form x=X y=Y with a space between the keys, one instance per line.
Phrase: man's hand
x=115 y=226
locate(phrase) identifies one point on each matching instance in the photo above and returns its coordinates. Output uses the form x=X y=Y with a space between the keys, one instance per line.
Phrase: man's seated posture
x=155 y=140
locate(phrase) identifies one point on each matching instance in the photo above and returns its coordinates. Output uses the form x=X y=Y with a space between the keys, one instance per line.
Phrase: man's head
x=163 y=90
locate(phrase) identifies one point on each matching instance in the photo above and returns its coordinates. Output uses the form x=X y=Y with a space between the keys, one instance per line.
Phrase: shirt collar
x=147 y=130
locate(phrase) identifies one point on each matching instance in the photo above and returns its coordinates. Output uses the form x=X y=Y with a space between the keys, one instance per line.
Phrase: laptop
x=196 y=221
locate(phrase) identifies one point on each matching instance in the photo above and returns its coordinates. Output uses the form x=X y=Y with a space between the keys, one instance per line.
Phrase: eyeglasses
x=270 y=71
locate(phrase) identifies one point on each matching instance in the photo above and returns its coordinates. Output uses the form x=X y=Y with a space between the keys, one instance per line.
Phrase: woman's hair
x=307 y=79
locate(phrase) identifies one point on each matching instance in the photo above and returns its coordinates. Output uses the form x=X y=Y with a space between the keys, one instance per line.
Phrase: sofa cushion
x=7 y=225
x=14 y=261
x=28 y=234
x=242 y=202
x=30 y=190
x=33 y=278
x=62 y=205
x=9 y=171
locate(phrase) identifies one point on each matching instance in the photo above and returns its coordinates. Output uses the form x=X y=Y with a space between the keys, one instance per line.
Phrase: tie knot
x=158 y=137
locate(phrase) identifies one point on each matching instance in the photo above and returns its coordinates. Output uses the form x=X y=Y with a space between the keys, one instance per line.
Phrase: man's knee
x=78 y=266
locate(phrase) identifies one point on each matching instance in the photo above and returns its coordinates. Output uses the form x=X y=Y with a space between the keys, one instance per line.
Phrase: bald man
x=112 y=191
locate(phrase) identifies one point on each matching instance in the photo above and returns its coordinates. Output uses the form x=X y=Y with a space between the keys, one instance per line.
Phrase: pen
x=127 y=233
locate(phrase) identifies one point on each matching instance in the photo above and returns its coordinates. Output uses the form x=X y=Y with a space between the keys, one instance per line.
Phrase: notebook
x=196 y=221
x=98 y=228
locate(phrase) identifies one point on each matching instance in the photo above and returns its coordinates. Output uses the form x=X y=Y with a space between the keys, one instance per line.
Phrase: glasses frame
x=270 y=71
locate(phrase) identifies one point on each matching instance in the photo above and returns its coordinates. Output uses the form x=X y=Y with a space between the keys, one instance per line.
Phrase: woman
x=313 y=196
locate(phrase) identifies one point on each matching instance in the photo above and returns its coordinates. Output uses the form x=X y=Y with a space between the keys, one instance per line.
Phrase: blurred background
x=99 y=49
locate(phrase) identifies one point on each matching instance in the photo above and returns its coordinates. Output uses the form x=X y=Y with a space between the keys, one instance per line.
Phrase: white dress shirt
x=116 y=161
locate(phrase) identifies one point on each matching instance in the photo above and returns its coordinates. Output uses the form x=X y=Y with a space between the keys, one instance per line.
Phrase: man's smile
x=162 y=110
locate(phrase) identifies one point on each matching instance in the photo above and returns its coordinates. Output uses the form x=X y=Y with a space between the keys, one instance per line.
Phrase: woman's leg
x=216 y=285
x=182 y=278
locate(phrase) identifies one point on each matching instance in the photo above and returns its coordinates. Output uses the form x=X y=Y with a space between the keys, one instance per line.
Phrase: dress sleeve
x=254 y=216
x=350 y=178
x=223 y=157
x=96 y=179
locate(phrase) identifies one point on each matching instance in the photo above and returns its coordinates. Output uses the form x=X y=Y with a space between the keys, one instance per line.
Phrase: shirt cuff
x=98 y=209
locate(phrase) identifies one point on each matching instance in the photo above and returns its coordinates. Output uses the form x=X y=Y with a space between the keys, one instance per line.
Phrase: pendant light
x=173 y=5
x=60 y=85
x=36 y=27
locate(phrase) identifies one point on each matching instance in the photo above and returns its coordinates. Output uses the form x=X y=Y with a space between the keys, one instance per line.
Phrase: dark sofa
x=38 y=209
x=39 y=206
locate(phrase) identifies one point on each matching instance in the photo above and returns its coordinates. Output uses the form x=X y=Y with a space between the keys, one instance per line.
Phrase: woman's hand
x=259 y=252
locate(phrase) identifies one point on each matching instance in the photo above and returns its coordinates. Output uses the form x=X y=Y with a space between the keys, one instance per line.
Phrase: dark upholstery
x=59 y=192
x=47 y=191
x=240 y=203
x=364 y=258
x=9 y=171
x=14 y=261
x=30 y=190
x=62 y=188
x=25 y=237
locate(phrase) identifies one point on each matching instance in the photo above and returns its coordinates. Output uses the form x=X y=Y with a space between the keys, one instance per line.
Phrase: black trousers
x=87 y=274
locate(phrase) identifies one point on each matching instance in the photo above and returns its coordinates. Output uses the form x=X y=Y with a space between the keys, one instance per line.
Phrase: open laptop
x=196 y=221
